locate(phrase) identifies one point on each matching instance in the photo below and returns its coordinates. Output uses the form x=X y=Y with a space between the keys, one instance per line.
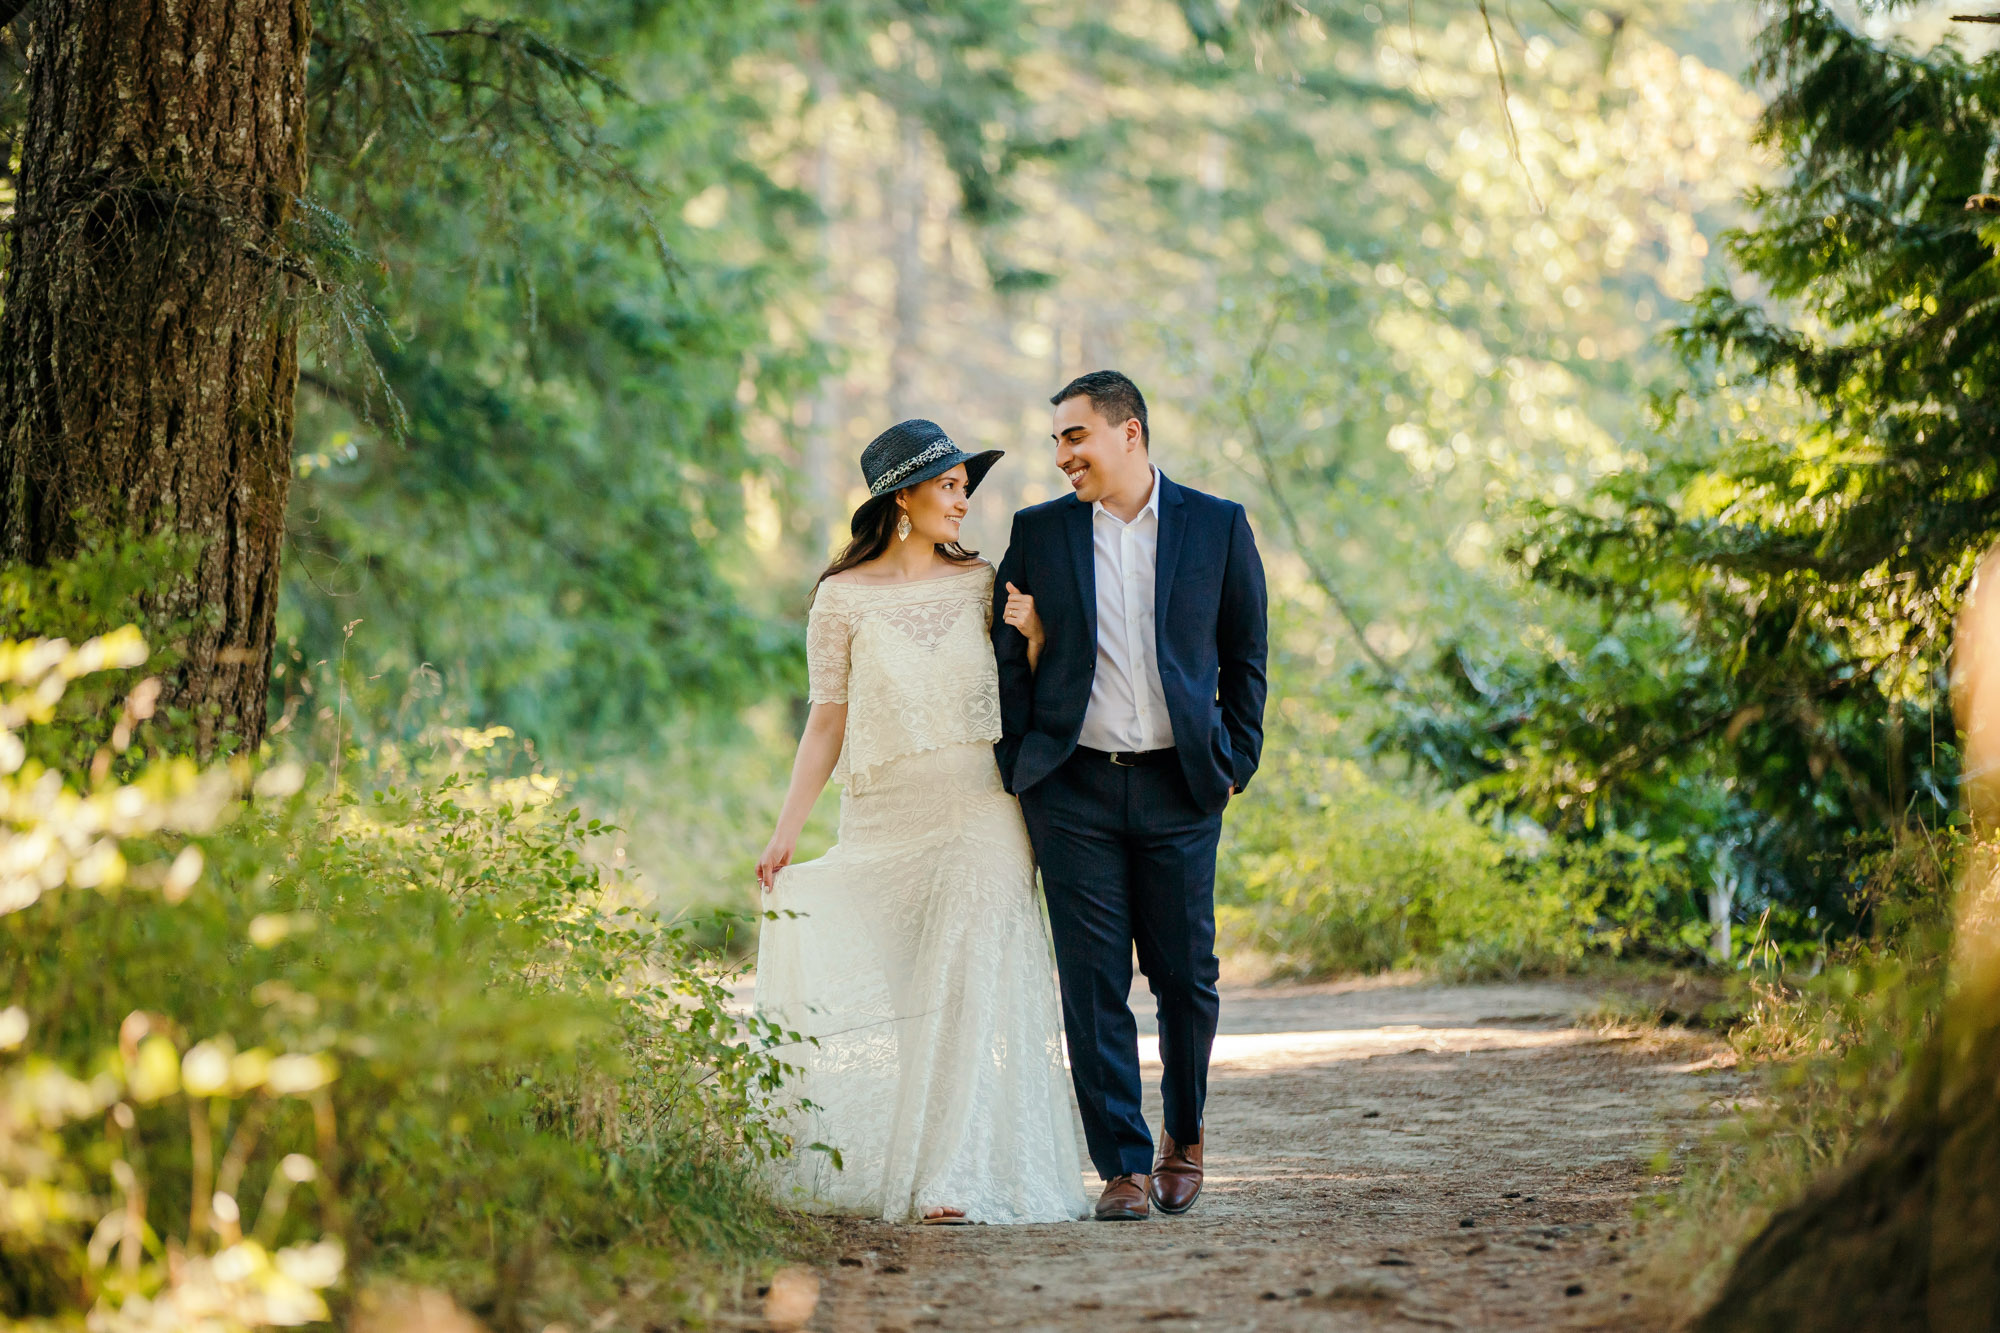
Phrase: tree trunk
x=150 y=348
x=1853 y=1255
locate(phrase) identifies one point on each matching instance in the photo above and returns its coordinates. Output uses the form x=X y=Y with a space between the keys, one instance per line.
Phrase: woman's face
x=936 y=507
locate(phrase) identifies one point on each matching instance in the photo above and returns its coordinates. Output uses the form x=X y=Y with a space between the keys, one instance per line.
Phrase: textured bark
x=1964 y=1294
x=148 y=350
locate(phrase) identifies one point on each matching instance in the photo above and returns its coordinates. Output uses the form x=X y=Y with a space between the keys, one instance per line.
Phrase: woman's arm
x=819 y=750
x=1020 y=613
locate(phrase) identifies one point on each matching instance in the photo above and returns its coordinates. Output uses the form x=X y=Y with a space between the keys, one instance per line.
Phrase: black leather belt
x=1131 y=758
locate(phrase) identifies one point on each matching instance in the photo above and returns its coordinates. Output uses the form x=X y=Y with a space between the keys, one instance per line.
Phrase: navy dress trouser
x=1127 y=859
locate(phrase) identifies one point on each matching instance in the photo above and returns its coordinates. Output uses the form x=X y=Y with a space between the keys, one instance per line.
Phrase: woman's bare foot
x=944 y=1217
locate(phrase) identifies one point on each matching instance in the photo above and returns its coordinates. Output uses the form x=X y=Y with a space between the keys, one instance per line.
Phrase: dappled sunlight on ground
x=1380 y=1156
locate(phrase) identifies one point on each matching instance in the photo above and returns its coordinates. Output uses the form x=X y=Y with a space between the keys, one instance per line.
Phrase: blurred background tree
x=527 y=485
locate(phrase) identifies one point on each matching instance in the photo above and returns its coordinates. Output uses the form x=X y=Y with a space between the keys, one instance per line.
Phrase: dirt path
x=1381 y=1156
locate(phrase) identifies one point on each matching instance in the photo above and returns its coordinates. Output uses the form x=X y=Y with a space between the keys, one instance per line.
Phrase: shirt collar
x=1152 y=505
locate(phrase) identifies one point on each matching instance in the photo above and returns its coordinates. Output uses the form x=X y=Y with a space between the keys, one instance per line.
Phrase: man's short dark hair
x=1116 y=399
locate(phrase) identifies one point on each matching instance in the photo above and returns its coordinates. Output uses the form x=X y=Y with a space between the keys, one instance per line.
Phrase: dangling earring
x=903 y=528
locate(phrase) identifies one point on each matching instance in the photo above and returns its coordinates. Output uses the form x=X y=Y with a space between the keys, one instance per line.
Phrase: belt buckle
x=1116 y=762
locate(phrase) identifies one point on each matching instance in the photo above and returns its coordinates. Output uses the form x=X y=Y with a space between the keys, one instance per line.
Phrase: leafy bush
x=1331 y=871
x=523 y=1087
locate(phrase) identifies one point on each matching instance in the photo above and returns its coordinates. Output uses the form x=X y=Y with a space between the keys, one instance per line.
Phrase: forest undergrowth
x=1329 y=870
x=1832 y=1047
x=281 y=1045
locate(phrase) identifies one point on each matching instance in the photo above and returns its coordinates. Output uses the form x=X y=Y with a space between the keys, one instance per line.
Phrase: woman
x=917 y=958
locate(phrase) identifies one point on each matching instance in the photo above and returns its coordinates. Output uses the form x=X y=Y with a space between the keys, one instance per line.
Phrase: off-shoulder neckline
x=982 y=567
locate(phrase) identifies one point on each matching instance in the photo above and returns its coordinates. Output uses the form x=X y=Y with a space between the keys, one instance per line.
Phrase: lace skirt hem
x=919 y=966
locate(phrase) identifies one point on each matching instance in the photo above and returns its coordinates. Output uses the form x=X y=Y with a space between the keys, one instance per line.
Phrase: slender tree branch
x=1506 y=108
x=1293 y=528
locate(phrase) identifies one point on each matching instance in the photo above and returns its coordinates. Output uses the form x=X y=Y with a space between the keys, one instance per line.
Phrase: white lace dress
x=920 y=957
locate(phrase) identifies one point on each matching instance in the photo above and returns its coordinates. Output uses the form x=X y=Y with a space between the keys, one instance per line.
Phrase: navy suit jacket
x=1208 y=615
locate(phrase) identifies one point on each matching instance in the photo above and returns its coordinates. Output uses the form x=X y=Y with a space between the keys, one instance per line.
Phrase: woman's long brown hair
x=873 y=527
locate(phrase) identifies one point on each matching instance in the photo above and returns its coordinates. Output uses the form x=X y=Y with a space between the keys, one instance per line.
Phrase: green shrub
x=1331 y=871
x=526 y=1088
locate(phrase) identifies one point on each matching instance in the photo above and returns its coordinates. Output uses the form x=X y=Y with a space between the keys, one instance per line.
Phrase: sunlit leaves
x=209 y=1273
x=1798 y=585
x=53 y=834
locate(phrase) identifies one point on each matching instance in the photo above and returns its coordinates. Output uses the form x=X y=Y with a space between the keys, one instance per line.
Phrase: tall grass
x=1832 y=1051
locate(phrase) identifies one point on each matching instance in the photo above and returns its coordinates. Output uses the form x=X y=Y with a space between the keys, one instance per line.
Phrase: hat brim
x=976 y=468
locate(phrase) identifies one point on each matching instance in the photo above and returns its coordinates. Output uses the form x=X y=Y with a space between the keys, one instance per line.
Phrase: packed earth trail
x=1381 y=1155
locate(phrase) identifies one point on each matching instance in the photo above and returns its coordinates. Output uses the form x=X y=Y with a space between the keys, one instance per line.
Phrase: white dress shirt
x=1128 y=707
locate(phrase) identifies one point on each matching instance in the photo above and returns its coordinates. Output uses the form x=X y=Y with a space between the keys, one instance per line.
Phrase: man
x=1124 y=733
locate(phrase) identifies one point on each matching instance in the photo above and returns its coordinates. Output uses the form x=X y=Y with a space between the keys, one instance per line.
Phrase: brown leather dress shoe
x=1177 y=1175
x=1123 y=1200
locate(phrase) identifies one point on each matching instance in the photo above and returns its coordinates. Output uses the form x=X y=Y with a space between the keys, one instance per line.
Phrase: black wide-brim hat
x=917 y=450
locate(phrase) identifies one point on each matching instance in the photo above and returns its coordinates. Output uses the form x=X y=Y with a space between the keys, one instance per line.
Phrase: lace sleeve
x=828 y=634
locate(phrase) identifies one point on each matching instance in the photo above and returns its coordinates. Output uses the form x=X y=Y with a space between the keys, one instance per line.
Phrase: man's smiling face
x=1094 y=454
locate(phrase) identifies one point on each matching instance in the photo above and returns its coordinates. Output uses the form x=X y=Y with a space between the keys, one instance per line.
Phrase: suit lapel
x=1083 y=556
x=1172 y=525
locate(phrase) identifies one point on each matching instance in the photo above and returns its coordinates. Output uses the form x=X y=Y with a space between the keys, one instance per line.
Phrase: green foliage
x=515 y=475
x=1834 y=1050
x=528 y=473
x=91 y=595
x=1331 y=872
x=531 y=1089
x=1764 y=656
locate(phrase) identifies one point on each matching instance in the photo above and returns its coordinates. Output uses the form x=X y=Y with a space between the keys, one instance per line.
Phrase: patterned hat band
x=915 y=451
x=912 y=465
